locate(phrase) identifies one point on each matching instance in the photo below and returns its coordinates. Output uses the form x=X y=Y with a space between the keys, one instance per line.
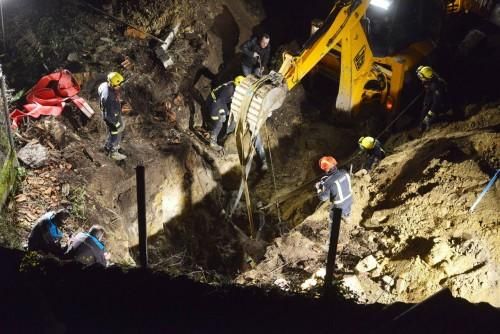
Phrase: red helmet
x=327 y=163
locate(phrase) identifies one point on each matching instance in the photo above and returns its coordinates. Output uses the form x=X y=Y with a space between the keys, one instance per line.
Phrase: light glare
x=384 y=4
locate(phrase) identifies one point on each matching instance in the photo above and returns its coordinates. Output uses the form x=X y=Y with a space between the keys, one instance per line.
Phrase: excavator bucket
x=253 y=102
x=256 y=98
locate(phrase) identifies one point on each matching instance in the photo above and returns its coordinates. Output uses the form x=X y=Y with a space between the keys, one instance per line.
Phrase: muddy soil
x=411 y=214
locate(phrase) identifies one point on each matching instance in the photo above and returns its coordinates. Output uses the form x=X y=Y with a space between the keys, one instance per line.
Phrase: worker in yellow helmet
x=218 y=107
x=435 y=99
x=373 y=149
x=109 y=101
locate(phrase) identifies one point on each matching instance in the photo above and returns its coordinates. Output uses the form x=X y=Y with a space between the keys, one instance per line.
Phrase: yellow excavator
x=369 y=46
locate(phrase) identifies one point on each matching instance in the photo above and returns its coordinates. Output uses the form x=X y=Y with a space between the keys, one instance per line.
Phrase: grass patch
x=77 y=197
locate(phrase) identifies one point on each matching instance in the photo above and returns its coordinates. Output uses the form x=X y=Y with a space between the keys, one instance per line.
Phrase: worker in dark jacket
x=373 y=149
x=88 y=248
x=335 y=186
x=218 y=107
x=109 y=101
x=45 y=237
x=256 y=54
x=435 y=99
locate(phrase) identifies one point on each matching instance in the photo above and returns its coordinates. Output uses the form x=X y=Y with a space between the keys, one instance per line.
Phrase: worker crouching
x=109 y=101
x=88 y=248
x=373 y=149
x=335 y=186
x=45 y=237
x=435 y=99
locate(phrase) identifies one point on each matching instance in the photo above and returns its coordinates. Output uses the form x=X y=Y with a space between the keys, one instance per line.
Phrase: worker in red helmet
x=335 y=186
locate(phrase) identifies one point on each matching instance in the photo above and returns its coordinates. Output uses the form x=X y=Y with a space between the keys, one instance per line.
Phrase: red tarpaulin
x=49 y=96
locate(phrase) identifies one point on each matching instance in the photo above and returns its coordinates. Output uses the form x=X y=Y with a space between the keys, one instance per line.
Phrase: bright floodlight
x=384 y=4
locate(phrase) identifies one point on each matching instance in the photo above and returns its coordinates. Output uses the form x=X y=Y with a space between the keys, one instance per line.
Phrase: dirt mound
x=415 y=221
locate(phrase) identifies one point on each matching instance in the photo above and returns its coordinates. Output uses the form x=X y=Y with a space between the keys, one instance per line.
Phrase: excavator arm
x=339 y=23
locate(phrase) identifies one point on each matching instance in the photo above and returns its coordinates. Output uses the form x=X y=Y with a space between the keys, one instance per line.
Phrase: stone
x=320 y=273
x=388 y=280
x=308 y=284
x=439 y=252
x=34 y=155
x=379 y=217
x=353 y=284
x=73 y=57
x=283 y=284
x=401 y=285
x=367 y=264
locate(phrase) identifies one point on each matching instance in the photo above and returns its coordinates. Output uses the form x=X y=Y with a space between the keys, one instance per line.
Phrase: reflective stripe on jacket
x=110 y=105
x=336 y=187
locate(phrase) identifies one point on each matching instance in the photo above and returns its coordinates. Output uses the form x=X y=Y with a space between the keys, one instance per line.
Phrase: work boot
x=264 y=167
x=215 y=146
x=117 y=156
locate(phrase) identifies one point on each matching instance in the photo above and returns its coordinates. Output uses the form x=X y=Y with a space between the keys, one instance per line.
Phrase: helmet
x=425 y=73
x=366 y=143
x=327 y=163
x=115 y=79
x=97 y=231
x=238 y=79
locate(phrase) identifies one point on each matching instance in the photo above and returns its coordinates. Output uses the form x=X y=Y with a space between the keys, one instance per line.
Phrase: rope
x=246 y=161
x=288 y=195
x=400 y=114
x=272 y=172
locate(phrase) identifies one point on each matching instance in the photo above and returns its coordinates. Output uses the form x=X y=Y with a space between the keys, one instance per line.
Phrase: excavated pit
x=188 y=184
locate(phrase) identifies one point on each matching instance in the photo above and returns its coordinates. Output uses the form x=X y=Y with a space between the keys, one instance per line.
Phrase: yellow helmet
x=115 y=79
x=238 y=79
x=425 y=73
x=366 y=143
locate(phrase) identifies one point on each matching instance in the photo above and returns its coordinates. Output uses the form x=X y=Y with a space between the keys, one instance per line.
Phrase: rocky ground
x=411 y=232
x=410 y=228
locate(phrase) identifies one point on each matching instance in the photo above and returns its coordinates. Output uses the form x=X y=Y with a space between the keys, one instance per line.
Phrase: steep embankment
x=412 y=215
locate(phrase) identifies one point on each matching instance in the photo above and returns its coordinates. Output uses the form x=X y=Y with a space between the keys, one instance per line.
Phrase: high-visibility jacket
x=219 y=101
x=109 y=102
x=336 y=187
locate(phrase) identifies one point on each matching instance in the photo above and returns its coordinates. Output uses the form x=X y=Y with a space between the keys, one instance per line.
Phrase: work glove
x=256 y=55
x=319 y=186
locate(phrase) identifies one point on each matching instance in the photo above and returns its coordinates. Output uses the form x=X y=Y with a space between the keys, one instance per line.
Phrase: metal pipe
x=332 y=249
x=5 y=105
x=141 y=215
x=3 y=26
x=488 y=186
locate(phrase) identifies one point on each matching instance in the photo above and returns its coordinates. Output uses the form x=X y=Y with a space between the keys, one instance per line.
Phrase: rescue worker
x=88 y=248
x=335 y=186
x=219 y=106
x=435 y=99
x=45 y=237
x=373 y=149
x=256 y=55
x=109 y=101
